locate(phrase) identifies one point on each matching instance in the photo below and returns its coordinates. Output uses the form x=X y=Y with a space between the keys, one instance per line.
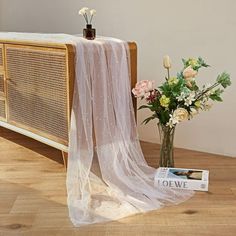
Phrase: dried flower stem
x=86 y=18
x=91 y=18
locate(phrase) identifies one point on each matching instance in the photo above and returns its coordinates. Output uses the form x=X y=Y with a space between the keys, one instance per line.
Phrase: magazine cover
x=192 y=179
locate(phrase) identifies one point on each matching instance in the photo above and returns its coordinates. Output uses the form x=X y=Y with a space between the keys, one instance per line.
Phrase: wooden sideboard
x=36 y=89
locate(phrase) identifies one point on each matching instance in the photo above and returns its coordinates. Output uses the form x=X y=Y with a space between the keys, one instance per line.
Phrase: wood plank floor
x=33 y=195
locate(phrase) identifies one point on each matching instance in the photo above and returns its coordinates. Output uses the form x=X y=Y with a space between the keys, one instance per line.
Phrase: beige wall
x=184 y=28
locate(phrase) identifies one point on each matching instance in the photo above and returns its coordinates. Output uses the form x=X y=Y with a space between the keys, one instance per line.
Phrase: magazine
x=179 y=178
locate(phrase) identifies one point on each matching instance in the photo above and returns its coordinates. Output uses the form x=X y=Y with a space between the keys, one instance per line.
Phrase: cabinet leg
x=65 y=158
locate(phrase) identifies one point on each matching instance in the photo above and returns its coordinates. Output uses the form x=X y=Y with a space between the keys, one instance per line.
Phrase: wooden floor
x=33 y=195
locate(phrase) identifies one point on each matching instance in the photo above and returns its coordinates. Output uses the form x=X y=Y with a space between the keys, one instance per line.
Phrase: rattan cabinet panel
x=2 y=85
x=2 y=89
x=37 y=90
x=1 y=55
x=2 y=110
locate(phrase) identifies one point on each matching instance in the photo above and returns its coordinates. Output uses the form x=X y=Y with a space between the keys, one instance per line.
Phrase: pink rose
x=189 y=73
x=143 y=87
x=138 y=93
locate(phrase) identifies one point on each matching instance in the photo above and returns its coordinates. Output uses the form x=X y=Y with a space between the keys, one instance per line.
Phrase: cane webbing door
x=1 y=57
x=2 y=89
x=2 y=86
x=2 y=109
x=37 y=90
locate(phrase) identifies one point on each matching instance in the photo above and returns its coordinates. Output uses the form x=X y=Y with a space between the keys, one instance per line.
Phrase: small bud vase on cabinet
x=89 y=32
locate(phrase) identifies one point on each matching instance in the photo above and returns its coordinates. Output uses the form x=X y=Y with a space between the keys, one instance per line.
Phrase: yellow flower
x=164 y=101
x=172 y=81
x=197 y=104
x=193 y=62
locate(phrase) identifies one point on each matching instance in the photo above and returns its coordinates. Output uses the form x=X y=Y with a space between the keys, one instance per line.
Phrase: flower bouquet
x=179 y=98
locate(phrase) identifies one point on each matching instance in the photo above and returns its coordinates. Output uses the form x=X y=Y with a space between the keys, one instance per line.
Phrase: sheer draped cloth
x=108 y=177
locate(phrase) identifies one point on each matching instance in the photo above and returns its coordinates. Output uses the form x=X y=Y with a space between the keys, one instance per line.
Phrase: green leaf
x=166 y=89
x=194 y=87
x=144 y=106
x=164 y=116
x=184 y=62
x=202 y=62
x=215 y=97
x=178 y=88
x=224 y=79
x=149 y=119
x=218 y=91
x=154 y=106
x=180 y=75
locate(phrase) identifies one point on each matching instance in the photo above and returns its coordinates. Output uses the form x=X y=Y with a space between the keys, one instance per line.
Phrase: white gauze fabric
x=108 y=177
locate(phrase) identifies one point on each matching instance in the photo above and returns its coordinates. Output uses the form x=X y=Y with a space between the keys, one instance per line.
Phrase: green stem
x=207 y=90
x=166 y=150
x=168 y=73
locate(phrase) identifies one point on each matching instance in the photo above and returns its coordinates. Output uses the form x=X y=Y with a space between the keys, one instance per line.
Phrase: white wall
x=184 y=28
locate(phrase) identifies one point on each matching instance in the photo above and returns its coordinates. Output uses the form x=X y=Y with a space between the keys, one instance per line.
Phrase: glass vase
x=89 y=32
x=166 y=141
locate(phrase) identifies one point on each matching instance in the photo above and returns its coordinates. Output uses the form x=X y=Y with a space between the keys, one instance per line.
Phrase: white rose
x=181 y=114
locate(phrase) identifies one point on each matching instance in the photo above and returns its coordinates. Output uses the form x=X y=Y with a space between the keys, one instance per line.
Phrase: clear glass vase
x=166 y=141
